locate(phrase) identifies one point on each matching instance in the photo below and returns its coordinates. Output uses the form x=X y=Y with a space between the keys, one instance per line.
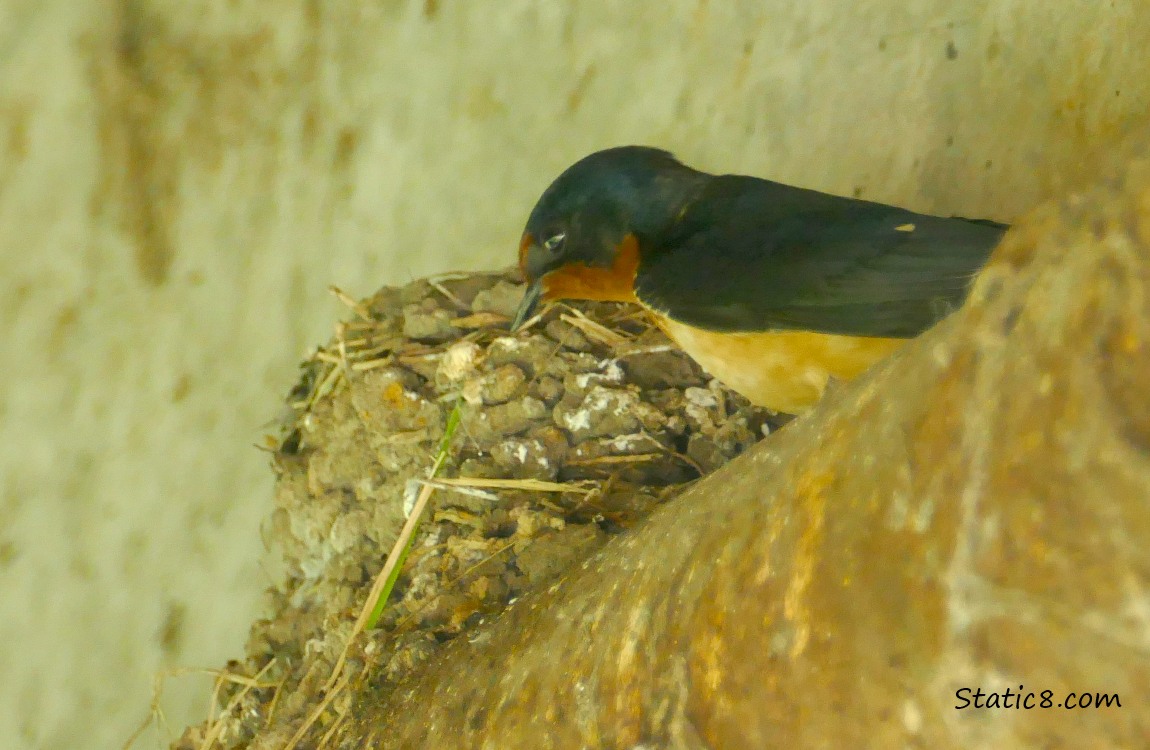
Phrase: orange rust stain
x=782 y=370
x=811 y=492
x=613 y=284
x=393 y=395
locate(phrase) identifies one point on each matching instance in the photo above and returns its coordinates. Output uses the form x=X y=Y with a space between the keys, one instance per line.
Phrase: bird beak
x=530 y=301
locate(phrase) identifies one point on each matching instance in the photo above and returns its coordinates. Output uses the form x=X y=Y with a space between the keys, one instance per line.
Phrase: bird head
x=582 y=238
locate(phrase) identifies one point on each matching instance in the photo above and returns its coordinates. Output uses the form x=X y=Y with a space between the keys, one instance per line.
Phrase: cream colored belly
x=785 y=370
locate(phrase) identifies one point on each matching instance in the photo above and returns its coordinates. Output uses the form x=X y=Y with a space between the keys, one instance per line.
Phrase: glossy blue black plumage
x=737 y=253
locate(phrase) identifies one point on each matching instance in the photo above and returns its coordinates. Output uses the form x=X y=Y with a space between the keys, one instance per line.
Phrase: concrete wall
x=179 y=183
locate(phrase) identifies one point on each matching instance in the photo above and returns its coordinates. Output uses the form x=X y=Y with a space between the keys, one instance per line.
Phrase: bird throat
x=615 y=283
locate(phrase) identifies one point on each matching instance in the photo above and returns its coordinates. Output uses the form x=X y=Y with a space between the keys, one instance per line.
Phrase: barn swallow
x=772 y=289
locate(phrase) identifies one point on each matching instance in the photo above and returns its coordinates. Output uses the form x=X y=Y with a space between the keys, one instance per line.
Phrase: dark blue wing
x=754 y=255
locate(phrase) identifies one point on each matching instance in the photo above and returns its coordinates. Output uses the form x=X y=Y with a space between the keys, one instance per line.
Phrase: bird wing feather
x=754 y=255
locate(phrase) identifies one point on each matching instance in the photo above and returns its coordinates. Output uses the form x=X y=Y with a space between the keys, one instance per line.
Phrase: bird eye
x=554 y=243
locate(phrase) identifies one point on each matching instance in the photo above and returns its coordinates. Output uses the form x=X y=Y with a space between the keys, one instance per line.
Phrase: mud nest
x=567 y=432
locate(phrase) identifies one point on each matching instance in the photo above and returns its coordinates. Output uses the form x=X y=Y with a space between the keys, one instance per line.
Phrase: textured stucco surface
x=180 y=181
